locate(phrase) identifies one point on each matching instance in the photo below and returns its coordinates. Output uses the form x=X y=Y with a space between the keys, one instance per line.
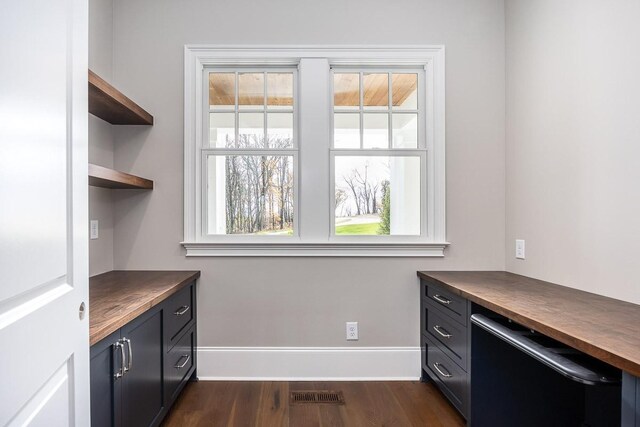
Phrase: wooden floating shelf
x=100 y=176
x=111 y=105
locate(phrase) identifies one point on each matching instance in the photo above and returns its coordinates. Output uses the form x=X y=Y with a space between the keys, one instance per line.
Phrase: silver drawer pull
x=120 y=372
x=130 y=361
x=183 y=364
x=442 y=300
x=182 y=310
x=442 y=332
x=438 y=367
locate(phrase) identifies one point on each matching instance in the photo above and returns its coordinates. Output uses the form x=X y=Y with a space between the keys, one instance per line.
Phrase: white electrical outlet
x=520 y=249
x=352 y=331
x=93 y=229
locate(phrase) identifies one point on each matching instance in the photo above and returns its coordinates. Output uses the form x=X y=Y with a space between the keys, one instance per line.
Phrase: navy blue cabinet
x=445 y=343
x=142 y=400
x=630 y=400
x=138 y=371
x=106 y=362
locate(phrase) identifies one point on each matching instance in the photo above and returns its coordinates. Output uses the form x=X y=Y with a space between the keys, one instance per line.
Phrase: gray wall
x=573 y=128
x=101 y=206
x=305 y=301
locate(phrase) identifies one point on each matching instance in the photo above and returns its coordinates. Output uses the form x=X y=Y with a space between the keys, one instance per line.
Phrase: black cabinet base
x=138 y=372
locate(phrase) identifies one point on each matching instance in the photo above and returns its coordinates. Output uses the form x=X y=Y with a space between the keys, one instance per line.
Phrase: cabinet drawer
x=446 y=301
x=446 y=373
x=448 y=333
x=179 y=311
x=178 y=363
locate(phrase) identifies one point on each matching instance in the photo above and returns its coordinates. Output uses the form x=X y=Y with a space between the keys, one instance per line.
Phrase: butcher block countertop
x=117 y=297
x=605 y=328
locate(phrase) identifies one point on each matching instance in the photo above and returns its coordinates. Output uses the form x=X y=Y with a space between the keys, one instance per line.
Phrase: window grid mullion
x=361 y=108
x=235 y=107
x=389 y=118
x=264 y=102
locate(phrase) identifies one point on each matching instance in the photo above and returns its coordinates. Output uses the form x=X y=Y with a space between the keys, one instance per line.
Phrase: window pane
x=222 y=90
x=405 y=130
x=249 y=194
x=404 y=89
x=251 y=90
x=222 y=132
x=279 y=90
x=250 y=130
x=279 y=130
x=376 y=130
x=376 y=91
x=377 y=195
x=346 y=130
x=346 y=91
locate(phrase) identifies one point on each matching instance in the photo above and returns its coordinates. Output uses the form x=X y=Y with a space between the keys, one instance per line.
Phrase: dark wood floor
x=250 y=403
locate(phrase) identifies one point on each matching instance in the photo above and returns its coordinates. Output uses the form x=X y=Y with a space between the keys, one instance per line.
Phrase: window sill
x=314 y=249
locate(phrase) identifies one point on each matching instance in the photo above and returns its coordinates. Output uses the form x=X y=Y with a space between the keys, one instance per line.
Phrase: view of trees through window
x=362 y=196
x=259 y=194
x=377 y=195
x=257 y=190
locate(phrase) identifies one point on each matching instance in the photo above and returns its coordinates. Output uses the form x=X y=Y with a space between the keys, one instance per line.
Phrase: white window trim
x=317 y=240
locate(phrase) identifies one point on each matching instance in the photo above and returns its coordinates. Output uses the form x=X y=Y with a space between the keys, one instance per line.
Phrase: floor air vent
x=316 y=396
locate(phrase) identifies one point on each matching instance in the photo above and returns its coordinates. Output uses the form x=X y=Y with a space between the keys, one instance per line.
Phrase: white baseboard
x=309 y=363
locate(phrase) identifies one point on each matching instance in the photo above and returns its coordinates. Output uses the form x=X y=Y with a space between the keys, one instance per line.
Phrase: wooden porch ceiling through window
x=279 y=89
x=222 y=88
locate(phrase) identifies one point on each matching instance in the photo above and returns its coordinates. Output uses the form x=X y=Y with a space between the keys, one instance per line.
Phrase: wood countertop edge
x=96 y=336
x=578 y=343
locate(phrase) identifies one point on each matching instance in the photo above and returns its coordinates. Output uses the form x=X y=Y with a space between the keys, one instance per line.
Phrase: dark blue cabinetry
x=444 y=327
x=138 y=371
x=630 y=400
x=498 y=382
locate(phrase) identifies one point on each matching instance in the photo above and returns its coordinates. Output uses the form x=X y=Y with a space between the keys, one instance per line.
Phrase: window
x=378 y=152
x=314 y=151
x=251 y=157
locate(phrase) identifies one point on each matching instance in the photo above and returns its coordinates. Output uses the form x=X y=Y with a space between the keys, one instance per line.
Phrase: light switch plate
x=93 y=229
x=520 y=249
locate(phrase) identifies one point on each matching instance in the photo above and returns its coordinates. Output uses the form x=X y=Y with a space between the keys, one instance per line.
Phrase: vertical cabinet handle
x=120 y=372
x=130 y=354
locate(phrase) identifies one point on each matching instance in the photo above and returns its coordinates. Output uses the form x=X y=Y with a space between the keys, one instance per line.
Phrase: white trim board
x=309 y=363
x=330 y=249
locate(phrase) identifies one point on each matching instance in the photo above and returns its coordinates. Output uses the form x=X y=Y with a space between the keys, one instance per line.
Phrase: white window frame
x=314 y=214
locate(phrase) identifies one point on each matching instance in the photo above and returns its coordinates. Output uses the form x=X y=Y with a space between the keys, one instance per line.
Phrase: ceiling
x=280 y=89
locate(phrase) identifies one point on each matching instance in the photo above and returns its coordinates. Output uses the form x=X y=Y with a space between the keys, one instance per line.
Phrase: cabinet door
x=106 y=362
x=142 y=383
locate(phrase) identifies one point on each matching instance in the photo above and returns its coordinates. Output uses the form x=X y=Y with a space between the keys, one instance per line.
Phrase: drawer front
x=446 y=373
x=446 y=301
x=178 y=363
x=448 y=333
x=179 y=311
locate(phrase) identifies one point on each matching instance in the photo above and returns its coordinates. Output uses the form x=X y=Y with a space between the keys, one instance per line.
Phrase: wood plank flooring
x=266 y=403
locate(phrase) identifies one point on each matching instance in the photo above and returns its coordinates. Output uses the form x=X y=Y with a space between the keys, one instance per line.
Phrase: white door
x=44 y=345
